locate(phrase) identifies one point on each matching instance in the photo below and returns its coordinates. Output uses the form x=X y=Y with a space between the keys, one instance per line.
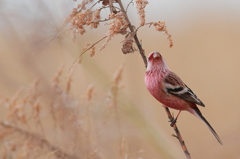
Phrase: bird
x=168 y=88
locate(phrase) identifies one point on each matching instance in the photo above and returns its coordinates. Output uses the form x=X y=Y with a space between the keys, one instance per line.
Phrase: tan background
x=205 y=55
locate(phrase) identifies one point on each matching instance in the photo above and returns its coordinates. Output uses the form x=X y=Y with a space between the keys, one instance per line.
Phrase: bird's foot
x=173 y=121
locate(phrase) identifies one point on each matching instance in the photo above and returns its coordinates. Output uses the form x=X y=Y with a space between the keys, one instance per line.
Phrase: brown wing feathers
x=175 y=86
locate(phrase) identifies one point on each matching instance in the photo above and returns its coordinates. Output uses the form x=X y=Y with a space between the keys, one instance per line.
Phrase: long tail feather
x=198 y=114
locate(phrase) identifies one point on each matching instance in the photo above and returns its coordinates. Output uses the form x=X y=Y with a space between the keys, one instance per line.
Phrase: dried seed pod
x=140 y=5
x=127 y=46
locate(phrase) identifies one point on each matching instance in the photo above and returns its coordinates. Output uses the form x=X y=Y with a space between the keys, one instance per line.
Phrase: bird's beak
x=156 y=54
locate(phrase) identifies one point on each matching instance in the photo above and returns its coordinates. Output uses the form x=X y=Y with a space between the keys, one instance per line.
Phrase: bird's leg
x=173 y=121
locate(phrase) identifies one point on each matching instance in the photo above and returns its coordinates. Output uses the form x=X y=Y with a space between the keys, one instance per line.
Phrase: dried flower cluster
x=117 y=20
x=89 y=47
x=117 y=26
x=141 y=4
x=17 y=108
x=115 y=86
x=161 y=26
x=127 y=46
x=45 y=122
x=81 y=16
x=23 y=130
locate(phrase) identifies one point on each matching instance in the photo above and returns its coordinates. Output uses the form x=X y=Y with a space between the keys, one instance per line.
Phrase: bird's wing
x=175 y=86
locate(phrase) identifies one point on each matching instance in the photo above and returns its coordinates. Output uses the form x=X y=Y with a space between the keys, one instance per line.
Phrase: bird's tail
x=195 y=111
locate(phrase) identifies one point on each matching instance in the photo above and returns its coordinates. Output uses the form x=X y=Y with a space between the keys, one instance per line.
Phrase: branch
x=178 y=136
x=141 y=51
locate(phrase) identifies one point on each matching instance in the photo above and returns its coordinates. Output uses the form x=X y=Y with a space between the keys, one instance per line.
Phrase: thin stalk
x=178 y=134
x=139 y=45
x=141 y=51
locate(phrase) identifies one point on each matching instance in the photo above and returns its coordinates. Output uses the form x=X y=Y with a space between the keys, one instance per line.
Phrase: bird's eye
x=150 y=57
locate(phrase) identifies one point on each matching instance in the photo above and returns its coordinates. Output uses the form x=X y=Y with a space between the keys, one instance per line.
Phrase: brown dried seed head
x=116 y=25
x=127 y=47
x=56 y=77
x=83 y=5
x=94 y=25
x=96 y=14
x=85 y=47
x=96 y=18
x=74 y=12
x=37 y=108
x=90 y=92
x=92 y=51
x=71 y=15
x=78 y=18
x=111 y=16
x=170 y=40
x=123 y=30
x=82 y=31
x=116 y=83
x=161 y=26
x=140 y=5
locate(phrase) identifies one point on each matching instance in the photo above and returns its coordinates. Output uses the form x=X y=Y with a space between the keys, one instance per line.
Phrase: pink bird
x=171 y=91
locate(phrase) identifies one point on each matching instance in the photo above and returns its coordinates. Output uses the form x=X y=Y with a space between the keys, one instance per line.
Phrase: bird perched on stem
x=171 y=91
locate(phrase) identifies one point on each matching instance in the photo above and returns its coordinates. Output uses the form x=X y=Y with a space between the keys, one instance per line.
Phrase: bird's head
x=155 y=60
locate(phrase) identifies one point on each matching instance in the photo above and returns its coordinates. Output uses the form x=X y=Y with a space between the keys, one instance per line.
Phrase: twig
x=141 y=51
x=95 y=4
x=79 y=57
x=42 y=142
x=91 y=46
x=129 y=5
x=178 y=134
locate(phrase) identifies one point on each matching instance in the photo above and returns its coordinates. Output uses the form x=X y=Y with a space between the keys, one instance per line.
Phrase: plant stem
x=139 y=45
x=141 y=51
x=178 y=136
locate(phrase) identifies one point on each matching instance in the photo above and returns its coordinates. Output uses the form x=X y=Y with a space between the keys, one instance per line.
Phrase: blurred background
x=129 y=123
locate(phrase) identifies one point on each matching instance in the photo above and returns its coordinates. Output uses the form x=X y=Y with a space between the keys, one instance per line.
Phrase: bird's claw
x=173 y=121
